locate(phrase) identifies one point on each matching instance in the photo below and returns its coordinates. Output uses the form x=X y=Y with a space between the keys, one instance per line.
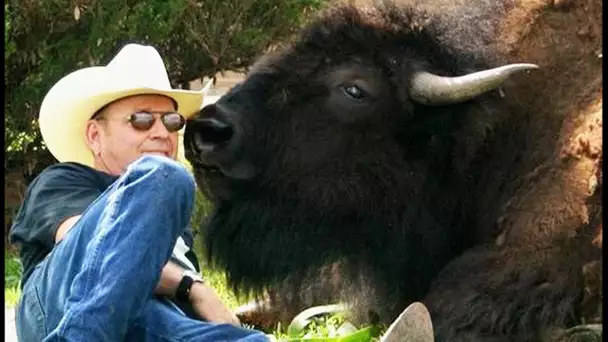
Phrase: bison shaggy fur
x=330 y=183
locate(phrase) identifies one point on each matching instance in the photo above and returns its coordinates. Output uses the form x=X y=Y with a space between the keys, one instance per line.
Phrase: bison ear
x=430 y=89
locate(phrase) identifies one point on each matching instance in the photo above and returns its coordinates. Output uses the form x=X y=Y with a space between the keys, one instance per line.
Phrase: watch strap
x=183 y=289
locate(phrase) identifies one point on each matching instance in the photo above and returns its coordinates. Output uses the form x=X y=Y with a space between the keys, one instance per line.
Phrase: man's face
x=116 y=143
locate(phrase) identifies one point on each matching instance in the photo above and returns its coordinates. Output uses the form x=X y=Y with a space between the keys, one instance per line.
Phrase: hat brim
x=64 y=132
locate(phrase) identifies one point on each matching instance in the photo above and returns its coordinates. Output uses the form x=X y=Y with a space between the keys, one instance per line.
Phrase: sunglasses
x=143 y=121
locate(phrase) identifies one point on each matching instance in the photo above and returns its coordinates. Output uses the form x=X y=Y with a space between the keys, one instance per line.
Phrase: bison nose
x=210 y=130
x=211 y=133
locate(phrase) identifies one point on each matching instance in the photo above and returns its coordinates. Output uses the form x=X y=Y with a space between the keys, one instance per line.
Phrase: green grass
x=217 y=280
x=11 y=296
x=12 y=275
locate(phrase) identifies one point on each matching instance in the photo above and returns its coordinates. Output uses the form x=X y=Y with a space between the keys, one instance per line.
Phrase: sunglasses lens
x=142 y=121
x=173 y=121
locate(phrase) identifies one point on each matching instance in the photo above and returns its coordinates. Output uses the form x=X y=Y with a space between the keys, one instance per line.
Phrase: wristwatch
x=183 y=289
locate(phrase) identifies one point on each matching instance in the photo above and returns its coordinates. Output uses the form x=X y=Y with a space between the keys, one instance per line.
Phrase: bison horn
x=430 y=89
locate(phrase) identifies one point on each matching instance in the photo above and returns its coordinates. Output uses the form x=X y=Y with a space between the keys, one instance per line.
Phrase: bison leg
x=507 y=295
x=531 y=280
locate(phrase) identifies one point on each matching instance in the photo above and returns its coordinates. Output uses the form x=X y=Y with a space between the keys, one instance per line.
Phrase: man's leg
x=101 y=275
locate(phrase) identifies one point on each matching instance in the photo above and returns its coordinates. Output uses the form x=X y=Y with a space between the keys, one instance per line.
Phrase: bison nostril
x=211 y=132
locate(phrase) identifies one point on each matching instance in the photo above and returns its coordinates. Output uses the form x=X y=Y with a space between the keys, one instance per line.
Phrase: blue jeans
x=97 y=284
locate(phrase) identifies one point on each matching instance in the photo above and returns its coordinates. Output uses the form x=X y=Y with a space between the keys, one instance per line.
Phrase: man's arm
x=65 y=226
x=205 y=301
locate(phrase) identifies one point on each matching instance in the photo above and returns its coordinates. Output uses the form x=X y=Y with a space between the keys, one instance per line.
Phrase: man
x=103 y=234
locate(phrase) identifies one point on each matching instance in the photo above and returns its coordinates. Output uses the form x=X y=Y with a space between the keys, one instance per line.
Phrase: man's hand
x=205 y=302
x=209 y=306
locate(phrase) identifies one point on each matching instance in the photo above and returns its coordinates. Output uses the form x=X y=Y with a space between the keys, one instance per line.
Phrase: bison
x=413 y=151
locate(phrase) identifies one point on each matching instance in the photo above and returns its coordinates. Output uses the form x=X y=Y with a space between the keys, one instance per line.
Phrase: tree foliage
x=45 y=40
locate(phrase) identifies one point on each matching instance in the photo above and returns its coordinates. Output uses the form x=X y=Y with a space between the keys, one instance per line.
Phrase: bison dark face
x=348 y=148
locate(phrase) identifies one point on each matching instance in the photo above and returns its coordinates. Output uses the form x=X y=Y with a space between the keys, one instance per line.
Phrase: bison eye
x=353 y=92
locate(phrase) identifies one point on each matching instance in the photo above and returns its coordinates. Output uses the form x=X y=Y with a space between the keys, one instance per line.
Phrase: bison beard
x=330 y=182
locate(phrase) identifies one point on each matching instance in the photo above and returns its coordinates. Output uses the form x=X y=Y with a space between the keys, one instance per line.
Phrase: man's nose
x=158 y=129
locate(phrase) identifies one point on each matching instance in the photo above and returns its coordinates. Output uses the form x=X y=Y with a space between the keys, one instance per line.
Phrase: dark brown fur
x=481 y=209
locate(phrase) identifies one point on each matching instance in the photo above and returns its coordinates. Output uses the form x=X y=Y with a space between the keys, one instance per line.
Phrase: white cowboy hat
x=73 y=100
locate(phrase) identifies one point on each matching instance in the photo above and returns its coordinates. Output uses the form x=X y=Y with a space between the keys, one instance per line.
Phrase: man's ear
x=93 y=132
